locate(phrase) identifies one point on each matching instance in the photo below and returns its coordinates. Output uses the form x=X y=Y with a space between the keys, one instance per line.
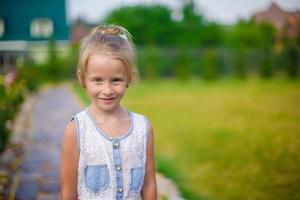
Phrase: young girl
x=107 y=151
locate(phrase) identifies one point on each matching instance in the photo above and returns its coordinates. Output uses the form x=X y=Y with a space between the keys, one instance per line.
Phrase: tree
x=267 y=38
x=191 y=26
x=148 y=24
x=239 y=64
x=182 y=70
x=291 y=53
x=244 y=34
x=210 y=67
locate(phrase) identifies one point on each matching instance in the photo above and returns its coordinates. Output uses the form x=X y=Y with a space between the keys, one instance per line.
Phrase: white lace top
x=110 y=169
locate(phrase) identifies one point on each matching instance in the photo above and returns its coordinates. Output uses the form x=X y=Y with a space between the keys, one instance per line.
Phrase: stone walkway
x=38 y=177
x=39 y=171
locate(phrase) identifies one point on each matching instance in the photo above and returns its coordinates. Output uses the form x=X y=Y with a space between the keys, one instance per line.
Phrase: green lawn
x=225 y=139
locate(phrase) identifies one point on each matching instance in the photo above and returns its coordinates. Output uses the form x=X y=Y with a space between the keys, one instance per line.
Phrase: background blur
x=219 y=82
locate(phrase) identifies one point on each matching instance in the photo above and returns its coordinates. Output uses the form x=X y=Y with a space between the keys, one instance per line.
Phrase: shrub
x=151 y=63
x=266 y=67
x=239 y=64
x=182 y=70
x=10 y=101
x=32 y=75
x=210 y=68
x=291 y=59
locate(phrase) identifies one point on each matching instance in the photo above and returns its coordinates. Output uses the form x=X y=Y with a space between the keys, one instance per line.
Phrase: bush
x=151 y=62
x=32 y=75
x=239 y=64
x=210 y=68
x=291 y=60
x=182 y=70
x=10 y=101
x=266 y=67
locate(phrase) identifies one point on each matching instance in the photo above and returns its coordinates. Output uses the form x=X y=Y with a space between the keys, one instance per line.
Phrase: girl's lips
x=108 y=100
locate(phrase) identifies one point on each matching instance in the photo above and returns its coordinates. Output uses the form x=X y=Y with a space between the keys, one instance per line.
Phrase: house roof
x=273 y=14
x=279 y=18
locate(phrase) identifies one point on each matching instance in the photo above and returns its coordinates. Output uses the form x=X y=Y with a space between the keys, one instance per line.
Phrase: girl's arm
x=149 y=188
x=69 y=163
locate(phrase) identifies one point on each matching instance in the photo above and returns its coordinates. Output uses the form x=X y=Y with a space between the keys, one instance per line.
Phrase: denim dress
x=110 y=169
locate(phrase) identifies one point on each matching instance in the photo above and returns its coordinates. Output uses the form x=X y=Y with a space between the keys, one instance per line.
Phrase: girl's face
x=105 y=81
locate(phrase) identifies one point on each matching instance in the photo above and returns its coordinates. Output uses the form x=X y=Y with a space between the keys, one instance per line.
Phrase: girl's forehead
x=99 y=64
x=104 y=60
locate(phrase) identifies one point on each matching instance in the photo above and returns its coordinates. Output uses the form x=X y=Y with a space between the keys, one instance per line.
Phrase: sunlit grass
x=225 y=139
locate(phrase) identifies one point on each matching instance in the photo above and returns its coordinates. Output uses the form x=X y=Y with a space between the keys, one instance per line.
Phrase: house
x=282 y=20
x=27 y=26
x=79 y=30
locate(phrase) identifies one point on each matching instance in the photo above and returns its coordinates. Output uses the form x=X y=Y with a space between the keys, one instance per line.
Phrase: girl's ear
x=80 y=77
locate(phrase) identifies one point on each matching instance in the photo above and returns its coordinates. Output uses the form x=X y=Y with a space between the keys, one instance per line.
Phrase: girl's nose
x=107 y=90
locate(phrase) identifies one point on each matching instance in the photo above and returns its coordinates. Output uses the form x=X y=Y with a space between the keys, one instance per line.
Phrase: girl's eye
x=117 y=81
x=97 y=80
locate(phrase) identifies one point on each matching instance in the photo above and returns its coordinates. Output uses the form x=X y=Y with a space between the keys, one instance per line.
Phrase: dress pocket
x=136 y=179
x=96 y=177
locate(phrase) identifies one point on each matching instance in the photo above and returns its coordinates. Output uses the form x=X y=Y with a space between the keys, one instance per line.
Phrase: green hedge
x=10 y=100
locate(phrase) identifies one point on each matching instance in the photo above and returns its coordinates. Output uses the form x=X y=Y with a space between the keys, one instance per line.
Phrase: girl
x=107 y=151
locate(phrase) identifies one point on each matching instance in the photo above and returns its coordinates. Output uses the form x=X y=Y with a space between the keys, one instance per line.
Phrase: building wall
x=18 y=15
x=280 y=18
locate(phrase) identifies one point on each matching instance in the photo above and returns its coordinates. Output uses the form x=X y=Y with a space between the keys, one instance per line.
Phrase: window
x=41 y=27
x=2 y=28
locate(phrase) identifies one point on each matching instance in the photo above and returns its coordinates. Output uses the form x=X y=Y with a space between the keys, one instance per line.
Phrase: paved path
x=39 y=177
x=39 y=171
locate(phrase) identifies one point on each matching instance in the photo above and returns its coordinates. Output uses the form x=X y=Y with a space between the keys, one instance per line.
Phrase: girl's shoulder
x=81 y=113
x=70 y=134
x=138 y=117
x=137 y=114
x=70 y=128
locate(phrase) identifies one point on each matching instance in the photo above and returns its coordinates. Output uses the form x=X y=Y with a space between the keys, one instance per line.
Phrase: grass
x=226 y=139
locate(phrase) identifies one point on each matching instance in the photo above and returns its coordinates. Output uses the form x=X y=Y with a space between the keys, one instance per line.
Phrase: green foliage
x=210 y=66
x=10 y=100
x=53 y=65
x=57 y=68
x=190 y=26
x=266 y=67
x=239 y=64
x=148 y=24
x=267 y=35
x=194 y=32
x=153 y=24
x=182 y=70
x=151 y=63
x=291 y=53
x=211 y=34
x=291 y=56
x=247 y=34
x=32 y=75
x=155 y=62
x=243 y=34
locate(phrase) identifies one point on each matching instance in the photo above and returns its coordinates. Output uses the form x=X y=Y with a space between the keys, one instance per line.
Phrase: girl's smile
x=108 y=100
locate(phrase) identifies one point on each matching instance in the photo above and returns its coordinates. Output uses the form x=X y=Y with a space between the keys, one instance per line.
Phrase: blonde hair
x=111 y=40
